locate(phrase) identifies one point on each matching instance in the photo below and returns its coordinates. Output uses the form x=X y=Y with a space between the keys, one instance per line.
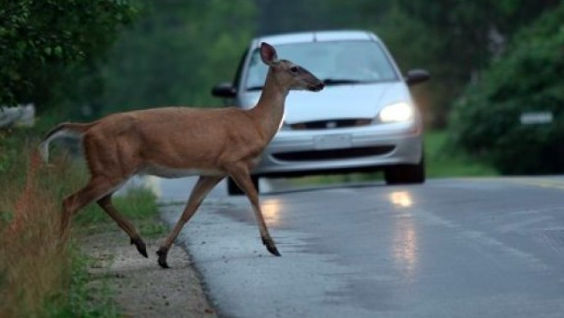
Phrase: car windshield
x=334 y=62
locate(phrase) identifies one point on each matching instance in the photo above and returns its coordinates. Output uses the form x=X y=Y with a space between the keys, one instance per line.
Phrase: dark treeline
x=174 y=51
x=455 y=40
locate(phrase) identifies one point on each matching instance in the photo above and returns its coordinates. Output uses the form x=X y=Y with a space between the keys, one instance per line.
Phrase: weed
x=40 y=274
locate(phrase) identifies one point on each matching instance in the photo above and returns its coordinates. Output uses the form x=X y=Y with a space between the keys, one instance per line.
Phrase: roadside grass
x=40 y=274
x=441 y=160
x=137 y=204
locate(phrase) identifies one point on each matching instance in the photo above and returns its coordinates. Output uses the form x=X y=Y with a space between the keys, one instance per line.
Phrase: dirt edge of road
x=141 y=288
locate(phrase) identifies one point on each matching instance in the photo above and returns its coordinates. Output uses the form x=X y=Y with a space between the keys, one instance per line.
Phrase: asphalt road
x=449 y=248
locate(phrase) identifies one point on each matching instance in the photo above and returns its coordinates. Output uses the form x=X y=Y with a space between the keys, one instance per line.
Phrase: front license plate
x=333 y=141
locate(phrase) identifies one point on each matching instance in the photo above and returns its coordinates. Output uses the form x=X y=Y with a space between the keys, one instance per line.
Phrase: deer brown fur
x=179 y=141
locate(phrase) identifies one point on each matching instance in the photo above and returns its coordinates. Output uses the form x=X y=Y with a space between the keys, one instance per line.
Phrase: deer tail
x=74 y=130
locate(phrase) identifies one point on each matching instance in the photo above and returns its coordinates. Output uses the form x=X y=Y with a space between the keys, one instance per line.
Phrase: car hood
x=337 y=101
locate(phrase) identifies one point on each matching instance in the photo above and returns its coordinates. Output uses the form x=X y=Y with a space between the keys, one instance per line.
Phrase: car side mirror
x=225 y=90
x=416 y=76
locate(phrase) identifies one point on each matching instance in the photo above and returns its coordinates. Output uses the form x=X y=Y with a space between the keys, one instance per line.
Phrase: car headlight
x=398 y=112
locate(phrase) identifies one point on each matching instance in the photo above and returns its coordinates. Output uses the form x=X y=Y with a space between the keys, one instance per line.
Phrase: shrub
x=40 y=274
x=527 y=78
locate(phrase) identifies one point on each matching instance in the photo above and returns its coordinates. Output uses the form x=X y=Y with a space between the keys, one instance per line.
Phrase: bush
x=527 y=78
x=40 y=40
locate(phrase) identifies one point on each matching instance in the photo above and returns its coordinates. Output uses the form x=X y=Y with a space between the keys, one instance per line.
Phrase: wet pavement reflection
x=450 y=248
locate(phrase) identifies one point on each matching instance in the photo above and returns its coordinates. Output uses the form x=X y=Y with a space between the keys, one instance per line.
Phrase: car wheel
x=233 y=188
x=405 y=174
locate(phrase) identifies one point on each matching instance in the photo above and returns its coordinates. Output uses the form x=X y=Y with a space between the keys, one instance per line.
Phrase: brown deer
x=177 y=141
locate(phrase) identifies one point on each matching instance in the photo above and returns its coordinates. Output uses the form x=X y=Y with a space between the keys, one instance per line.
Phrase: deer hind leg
x=94 y=190
x=106 y=204
x=243 y=179
x=199 y=192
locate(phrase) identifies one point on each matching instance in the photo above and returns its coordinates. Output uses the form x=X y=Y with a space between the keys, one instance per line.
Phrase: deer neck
x=269 y=110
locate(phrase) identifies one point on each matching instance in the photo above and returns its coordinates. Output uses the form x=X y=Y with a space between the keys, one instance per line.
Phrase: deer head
x=287 y=73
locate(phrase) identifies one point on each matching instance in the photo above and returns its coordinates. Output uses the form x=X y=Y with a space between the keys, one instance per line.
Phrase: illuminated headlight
x=398 y=112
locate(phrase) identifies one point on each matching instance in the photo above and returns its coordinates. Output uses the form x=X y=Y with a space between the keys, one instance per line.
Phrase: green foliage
x=176 y=52
x=454 y=40
x=137 y=204
x=486 y=121
x=38 y=278
x=51 y=52
x=444 y=160
x=39 y=40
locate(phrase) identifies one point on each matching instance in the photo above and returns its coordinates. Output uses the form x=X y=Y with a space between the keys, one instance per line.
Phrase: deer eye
x=294 y=69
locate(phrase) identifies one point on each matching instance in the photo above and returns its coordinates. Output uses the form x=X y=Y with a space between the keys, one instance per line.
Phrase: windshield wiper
x=255 y=88
x=337 y=81
x=327 y=81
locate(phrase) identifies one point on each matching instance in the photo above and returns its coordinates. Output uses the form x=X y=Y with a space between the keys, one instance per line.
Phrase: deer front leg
x=106 y=204
x=241 y=175
x=201 y=189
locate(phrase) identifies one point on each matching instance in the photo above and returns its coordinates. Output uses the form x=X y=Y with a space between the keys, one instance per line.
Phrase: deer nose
x=319 y=87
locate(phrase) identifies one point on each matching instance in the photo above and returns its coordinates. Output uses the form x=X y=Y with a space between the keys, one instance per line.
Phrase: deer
x=173 y=142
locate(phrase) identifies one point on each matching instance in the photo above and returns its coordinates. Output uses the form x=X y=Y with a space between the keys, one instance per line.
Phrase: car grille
x=333 y=154
x=330 y=124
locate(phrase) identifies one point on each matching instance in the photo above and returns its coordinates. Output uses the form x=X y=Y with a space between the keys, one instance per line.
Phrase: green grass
x=80 y=299
x=442 y=160
x=139 y=205
x=41 y=275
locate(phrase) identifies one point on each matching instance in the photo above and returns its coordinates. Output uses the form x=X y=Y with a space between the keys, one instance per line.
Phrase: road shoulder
x=140 y=287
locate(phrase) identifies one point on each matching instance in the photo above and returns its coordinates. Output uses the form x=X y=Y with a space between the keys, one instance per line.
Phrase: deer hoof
x=269 y=243
x=273 y=250
x=162 y=253
x=141 y=247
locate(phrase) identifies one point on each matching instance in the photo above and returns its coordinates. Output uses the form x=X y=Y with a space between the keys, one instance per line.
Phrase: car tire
x=233 y=188
x=405 y=174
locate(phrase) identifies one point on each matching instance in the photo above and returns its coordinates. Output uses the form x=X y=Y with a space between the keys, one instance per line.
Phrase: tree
x=527 y=78
x=41 y=39
x=176 y=52
x=454 y=39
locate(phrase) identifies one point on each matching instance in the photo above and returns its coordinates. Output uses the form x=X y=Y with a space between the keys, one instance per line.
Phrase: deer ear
x=268 y=54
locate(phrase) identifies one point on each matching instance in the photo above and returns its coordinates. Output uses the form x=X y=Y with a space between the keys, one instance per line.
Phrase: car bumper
x=303 y=152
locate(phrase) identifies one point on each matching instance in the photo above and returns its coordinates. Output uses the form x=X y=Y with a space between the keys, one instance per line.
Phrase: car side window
x=237 y=79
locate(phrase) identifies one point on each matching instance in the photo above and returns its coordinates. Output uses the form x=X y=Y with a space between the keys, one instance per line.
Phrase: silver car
x=364 y=119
